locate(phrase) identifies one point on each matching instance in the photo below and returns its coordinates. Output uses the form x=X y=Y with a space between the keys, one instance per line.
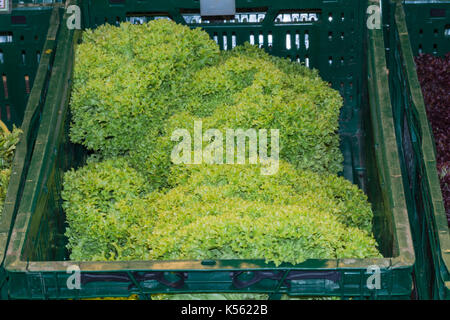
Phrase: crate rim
x=424 y=1
x=404 y=260
x=17 y=7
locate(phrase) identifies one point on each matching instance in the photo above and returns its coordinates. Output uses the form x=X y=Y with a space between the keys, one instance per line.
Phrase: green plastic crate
x=22 y=36
x=414 y=28
x=348 y=55
x=428 y=23
x=24 y=102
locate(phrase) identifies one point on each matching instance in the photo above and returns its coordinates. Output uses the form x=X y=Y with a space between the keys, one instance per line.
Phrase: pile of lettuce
x=134 y=85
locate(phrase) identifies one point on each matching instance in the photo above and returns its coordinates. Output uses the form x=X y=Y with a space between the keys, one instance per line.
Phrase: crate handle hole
x=297 y=15
x=437 y=13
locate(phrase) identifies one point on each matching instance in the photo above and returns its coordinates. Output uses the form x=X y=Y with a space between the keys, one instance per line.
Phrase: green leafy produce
x=134 y=85
x=126 y=81
x=8 y=142
x=216 y=212
x=298 y=103
x=289 y=186
x=129 y=80
x=105 y=208
x=205 y=224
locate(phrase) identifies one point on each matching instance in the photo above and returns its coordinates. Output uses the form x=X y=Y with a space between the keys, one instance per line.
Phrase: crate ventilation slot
x=6 y=37
x=8 y=112
x=294 y=40
x=5 y=85
x=27 y=84
x=140 y=18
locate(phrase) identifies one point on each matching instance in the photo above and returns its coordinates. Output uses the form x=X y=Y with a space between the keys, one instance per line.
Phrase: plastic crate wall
x=415 y=140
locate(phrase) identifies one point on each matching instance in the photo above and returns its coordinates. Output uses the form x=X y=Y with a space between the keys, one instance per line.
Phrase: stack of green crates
x=27 y=46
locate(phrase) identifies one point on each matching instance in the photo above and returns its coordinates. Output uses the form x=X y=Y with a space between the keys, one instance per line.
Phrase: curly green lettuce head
x=215 y=212
x=127 y=80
